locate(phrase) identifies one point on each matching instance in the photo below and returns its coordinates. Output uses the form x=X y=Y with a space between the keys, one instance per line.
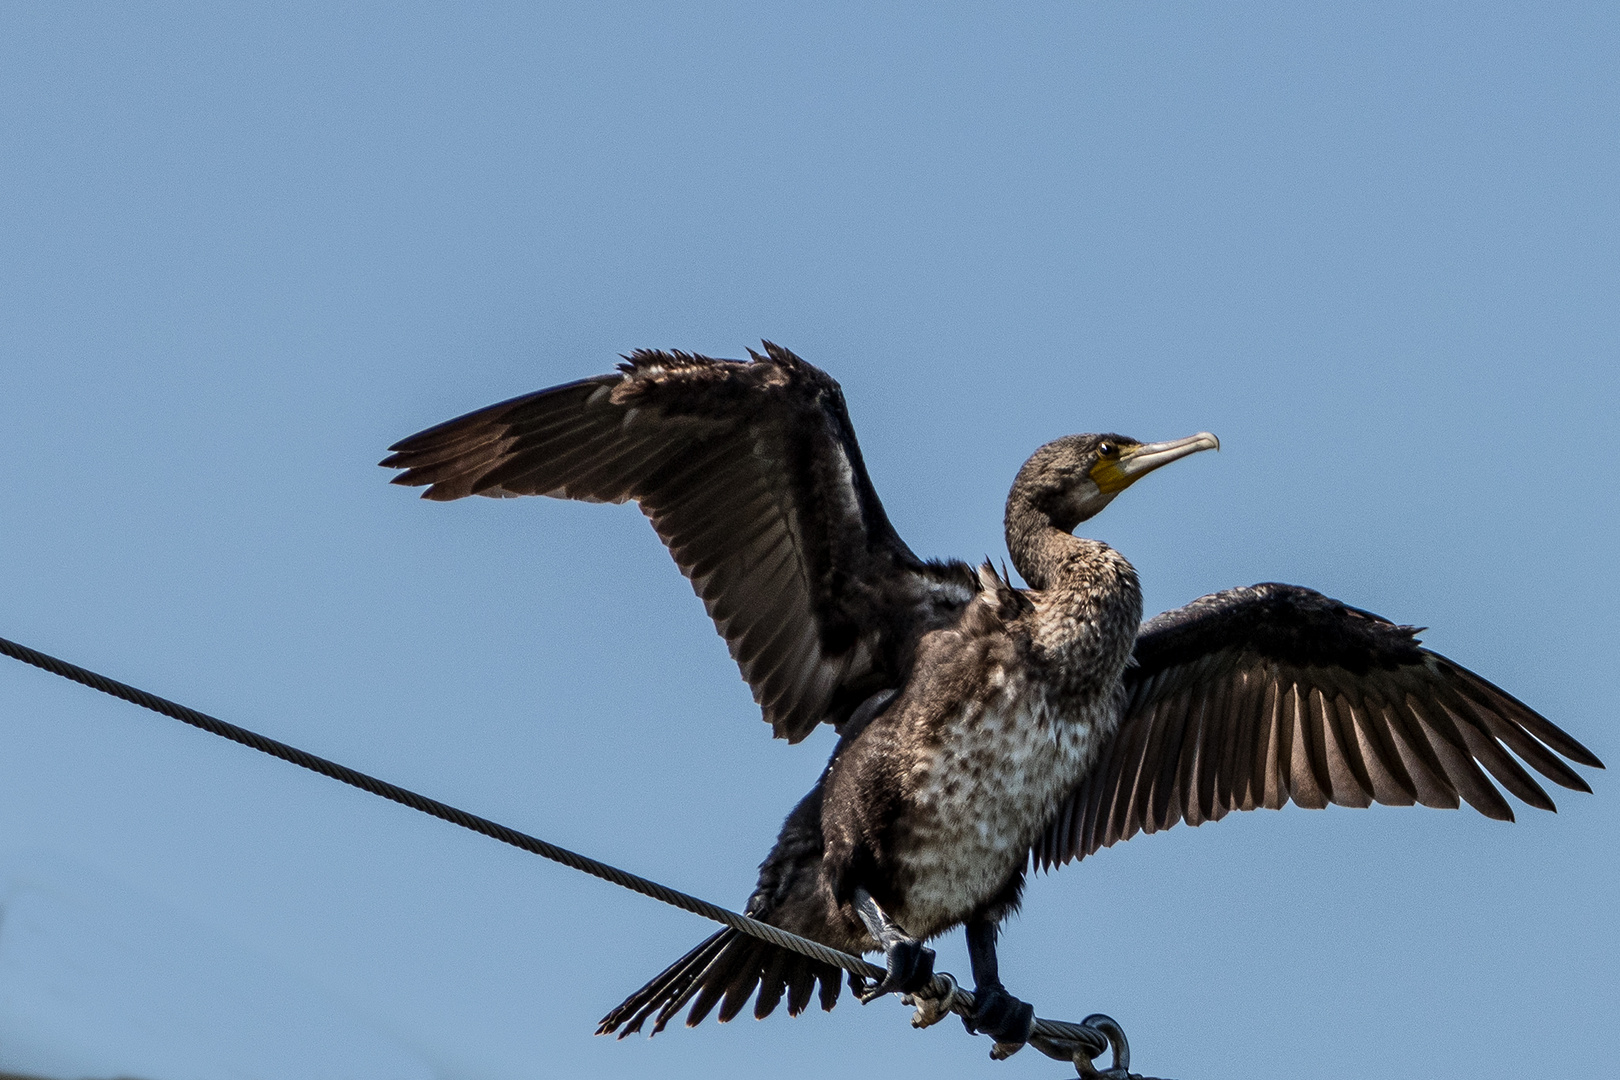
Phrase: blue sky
x=243 y=249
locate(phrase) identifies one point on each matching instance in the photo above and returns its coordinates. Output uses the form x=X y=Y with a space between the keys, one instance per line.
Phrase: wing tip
x=433 y=493
x=794 y=731
x=1587 y=758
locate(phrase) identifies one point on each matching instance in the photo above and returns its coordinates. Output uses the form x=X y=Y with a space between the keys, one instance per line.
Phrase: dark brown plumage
x=751 y=474
x=1257 y=697
x=982 y=727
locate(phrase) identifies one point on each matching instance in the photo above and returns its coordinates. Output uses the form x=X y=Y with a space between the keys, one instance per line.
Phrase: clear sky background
x=244 y=248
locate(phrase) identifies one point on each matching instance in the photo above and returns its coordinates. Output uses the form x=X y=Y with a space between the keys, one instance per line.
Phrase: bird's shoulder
x=980 y=654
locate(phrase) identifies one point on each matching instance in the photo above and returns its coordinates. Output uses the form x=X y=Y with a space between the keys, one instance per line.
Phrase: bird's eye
x=1107 y=449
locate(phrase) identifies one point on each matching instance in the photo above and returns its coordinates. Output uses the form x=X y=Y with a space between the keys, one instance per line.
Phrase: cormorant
x=983 y=728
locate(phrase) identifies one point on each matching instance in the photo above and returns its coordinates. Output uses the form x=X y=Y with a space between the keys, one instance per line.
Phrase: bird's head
x=1070 y=479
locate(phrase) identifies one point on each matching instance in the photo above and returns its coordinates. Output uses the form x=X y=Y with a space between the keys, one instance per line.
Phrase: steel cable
x=1052 y=1037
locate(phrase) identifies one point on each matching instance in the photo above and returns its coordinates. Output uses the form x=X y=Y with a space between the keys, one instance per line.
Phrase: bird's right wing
x=1256 y=697
x=752 y=477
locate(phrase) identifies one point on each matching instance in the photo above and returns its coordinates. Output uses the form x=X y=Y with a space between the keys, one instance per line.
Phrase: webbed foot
x=910 y=967
x=1001 y=1016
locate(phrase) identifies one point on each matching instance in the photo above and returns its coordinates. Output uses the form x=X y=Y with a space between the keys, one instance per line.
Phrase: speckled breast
x=983 y=796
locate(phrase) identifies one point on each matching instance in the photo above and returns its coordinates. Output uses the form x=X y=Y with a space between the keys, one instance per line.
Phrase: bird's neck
x=1048 y=556
x=1090 y=603
x=1054 y=561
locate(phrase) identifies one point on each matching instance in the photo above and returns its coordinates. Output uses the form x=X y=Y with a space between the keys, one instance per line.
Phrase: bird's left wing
x=750 y=473
x=1255 y=697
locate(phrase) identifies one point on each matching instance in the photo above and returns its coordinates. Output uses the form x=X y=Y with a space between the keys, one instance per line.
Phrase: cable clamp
x=934 y=1002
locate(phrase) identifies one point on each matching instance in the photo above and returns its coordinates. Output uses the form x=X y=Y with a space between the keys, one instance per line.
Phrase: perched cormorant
x=983 y=727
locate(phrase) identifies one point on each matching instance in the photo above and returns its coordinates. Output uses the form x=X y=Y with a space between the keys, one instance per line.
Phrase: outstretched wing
x=751 y=474
x=1253 y=697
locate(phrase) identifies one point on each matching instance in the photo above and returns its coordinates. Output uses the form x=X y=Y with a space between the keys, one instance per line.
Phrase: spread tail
x=727 y=966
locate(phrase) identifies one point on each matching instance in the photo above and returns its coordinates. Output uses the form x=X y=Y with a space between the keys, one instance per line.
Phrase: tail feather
x=771 y=985
x=725 y=968
x=740 y=990
x=799 y=984
x=730 y=966
x=635 y=1009
x=830 y=988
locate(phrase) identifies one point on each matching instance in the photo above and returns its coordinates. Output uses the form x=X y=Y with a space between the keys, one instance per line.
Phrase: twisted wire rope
x=1084 y=1037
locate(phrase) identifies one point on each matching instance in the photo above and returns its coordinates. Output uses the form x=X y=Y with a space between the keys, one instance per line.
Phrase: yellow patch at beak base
x=1109 y=477
x=1115 y=473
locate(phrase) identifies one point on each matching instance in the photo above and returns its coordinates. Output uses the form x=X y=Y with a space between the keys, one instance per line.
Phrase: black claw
x=910 y=967
x=1001 y=1016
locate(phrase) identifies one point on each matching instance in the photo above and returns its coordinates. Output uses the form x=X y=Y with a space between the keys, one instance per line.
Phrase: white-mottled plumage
x=997 y=736
x=971 y=826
